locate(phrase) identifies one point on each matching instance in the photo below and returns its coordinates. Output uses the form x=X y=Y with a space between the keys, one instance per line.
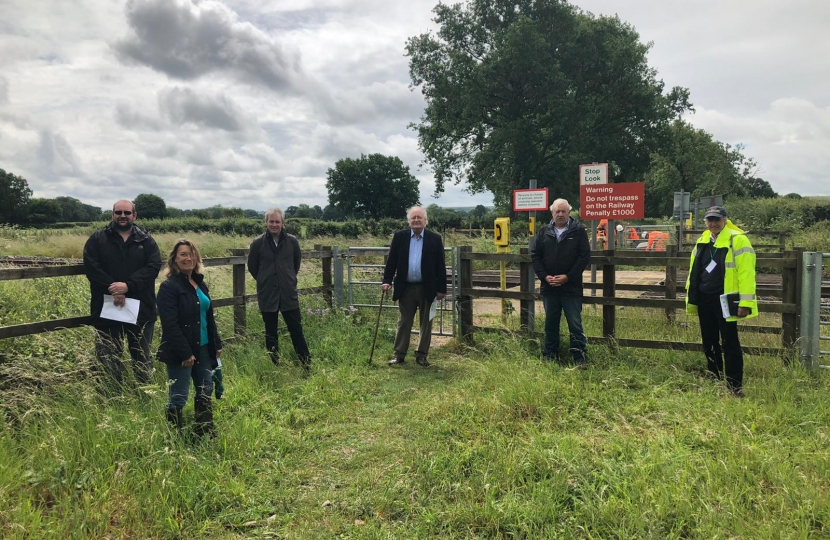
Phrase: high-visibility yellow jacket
x=739 y=268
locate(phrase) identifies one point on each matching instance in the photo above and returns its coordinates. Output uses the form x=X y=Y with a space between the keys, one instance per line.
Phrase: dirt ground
x=483 y=307
x=487 y=308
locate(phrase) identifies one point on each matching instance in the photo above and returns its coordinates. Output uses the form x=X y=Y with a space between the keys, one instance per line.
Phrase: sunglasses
x=122 y=212
x=712 y=218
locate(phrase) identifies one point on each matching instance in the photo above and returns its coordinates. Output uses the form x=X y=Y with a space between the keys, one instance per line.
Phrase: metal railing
x=363 y=276
x=815 y=311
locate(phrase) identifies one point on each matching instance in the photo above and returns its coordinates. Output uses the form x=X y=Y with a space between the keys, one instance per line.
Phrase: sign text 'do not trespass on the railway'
x=612 y=201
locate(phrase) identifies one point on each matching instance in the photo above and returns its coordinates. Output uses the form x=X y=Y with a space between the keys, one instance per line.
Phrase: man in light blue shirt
x=416 y=267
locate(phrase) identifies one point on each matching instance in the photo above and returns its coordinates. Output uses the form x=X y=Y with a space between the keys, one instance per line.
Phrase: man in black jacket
x=561 y=254
x=416 y=266
x=123 y=261
x=273 y=261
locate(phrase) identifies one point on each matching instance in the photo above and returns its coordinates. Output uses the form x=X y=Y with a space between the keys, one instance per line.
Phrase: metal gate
x=365 y=274
x=815 y=312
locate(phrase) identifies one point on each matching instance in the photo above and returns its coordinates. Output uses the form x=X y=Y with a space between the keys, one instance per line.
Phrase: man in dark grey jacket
x=560 y=255
x=123 y=261
x=274 y=261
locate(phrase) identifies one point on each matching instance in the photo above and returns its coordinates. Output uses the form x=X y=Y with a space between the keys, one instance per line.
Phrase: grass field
x=487 y=443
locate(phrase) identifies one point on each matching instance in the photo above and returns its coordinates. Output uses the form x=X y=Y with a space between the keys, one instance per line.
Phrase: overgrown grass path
x=487 y=443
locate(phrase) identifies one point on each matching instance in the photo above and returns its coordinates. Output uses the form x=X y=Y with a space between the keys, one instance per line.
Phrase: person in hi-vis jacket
x=722 y=262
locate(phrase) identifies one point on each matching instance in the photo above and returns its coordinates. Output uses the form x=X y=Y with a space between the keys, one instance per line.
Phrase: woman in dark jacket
x=190 y=344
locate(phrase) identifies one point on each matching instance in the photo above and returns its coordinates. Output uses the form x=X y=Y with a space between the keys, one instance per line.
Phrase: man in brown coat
x=273 y=261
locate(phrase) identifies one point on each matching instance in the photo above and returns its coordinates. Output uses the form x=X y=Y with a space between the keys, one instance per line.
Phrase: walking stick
x=377 y=325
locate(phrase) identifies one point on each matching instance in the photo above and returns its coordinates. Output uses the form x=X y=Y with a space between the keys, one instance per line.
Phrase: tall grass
x=488 y=443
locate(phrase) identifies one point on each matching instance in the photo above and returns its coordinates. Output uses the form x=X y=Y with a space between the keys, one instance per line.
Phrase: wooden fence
x=775 y=240
x=788 y=263
x=239 y=300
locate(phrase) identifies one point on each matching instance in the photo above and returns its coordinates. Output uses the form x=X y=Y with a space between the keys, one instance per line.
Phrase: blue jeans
x=572 y=306
x=180 y=377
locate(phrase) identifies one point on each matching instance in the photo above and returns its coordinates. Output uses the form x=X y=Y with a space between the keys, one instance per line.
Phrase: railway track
x=37 y=261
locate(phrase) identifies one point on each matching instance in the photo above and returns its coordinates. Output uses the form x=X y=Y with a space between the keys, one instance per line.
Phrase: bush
x=785 y=214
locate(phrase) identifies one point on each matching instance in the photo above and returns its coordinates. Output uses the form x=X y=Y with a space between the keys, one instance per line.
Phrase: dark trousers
x=295 y=328
x=720 y=341
x=411 y=301
x=572 y=306
x=109 y=348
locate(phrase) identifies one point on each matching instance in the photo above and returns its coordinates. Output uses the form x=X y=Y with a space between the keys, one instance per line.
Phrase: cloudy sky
x=248 y=102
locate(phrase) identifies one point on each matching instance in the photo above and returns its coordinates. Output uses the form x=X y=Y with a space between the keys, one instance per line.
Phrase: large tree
x=46 y=211
x=305 y=211
x=758 y=188
x=373 y=186
x=332 y=213
x=74 y=210
x=14 y=198
x=149 y=206
x=691 y=160
x=529 y=89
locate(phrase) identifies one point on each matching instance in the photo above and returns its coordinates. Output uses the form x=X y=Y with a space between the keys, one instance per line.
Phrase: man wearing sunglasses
x=123 y=261
x=723 y=262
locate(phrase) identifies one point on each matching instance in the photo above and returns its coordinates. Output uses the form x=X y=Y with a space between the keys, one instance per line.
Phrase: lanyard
x=712 y=248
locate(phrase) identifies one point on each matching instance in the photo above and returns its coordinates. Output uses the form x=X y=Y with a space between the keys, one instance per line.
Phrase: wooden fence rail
x=239 y=299
x=788 y=262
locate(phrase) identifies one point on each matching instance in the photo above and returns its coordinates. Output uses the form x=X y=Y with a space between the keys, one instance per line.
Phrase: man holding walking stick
x=417 y=268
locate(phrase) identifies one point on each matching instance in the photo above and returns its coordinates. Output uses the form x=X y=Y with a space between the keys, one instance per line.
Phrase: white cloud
x=789 y=141
x=248 y=103
x=183 y=106
x=188 y=40
x=56 y=155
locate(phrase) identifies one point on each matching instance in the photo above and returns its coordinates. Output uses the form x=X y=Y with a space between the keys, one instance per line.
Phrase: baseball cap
x=716 y=211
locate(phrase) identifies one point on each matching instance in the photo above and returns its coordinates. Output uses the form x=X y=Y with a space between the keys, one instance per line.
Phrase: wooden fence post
x=328 y=280
x=526 y=285
x=339 y=297
x=789 y=321
x=671 y=280
x=609 y=313
x=239 y=307
x=465 y=301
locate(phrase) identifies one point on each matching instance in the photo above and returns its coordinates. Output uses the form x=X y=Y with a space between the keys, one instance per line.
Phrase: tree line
x=19 y=208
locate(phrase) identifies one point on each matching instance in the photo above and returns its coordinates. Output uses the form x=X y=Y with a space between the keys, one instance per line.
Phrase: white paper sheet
x=128 y=313
x=433 y=308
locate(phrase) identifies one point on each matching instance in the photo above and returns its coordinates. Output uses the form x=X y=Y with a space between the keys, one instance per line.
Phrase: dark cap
x=716 y=211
